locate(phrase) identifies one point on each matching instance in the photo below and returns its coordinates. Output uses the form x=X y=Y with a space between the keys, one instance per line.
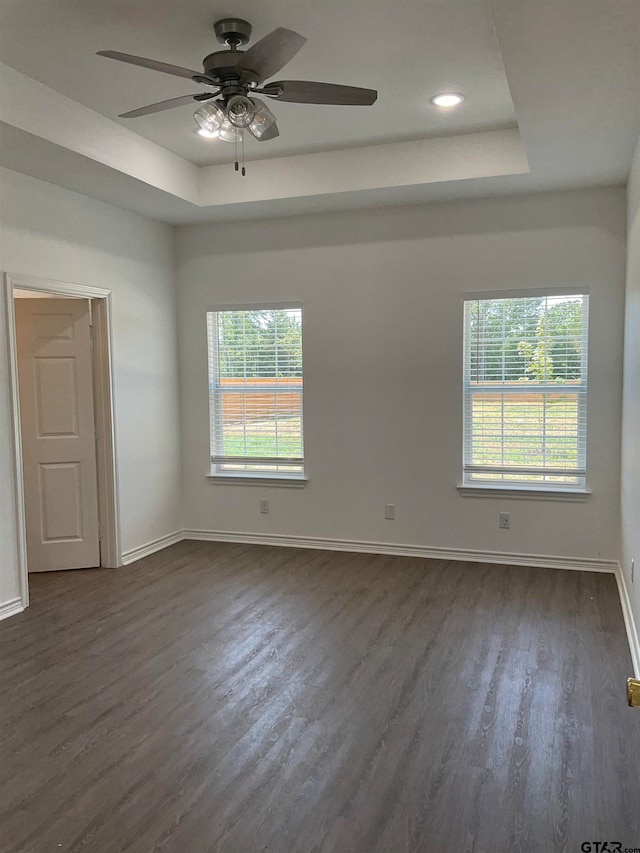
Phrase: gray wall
x=630 y=492
x=382 y=296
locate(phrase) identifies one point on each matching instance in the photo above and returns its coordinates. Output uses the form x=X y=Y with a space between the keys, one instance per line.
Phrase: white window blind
x=255 y=391
x=525 y=391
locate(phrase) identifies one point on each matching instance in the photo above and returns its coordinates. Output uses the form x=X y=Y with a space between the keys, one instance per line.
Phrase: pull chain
x=244 y=171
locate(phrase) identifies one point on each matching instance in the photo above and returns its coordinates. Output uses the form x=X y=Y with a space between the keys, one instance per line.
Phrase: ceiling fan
x=237 y=76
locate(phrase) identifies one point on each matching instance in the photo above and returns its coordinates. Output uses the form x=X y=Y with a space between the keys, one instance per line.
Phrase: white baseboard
x=151 y=547
x=11 y=608
x=629 y=622
x=505 y=558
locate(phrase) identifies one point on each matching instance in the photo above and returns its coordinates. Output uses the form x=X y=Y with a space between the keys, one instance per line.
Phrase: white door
x=55 y=380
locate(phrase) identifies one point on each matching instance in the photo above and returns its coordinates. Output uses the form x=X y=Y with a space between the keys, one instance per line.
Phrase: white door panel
x=58 y=433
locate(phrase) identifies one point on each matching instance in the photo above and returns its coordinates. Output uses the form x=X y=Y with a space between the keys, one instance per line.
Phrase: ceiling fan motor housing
x=221 y=68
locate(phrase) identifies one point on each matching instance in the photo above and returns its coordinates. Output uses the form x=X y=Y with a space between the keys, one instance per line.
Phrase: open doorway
x=62 y=401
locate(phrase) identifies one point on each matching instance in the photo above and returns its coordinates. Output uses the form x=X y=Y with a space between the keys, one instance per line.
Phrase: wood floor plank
x=251 y=699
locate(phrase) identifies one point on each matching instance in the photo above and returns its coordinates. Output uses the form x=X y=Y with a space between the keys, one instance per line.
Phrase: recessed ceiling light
x=447 y=99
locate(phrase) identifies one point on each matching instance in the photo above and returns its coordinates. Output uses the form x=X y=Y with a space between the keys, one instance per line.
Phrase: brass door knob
x=633 y=692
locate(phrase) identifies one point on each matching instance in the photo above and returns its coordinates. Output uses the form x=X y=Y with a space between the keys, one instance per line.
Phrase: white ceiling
x=562 y=77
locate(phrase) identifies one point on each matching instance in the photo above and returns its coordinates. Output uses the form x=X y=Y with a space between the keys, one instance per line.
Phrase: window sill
x=257 y=480
x=576 y=495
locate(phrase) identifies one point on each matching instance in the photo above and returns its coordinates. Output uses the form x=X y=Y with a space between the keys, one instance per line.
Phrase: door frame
x=106 y=452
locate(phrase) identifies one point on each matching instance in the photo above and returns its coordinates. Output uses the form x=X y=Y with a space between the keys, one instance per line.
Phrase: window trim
x=484 y=490
x=239 y=478
x=526 y=489
x=250 y=477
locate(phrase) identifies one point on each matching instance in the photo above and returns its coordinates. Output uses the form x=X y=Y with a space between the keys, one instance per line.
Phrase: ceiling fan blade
x=271 y=133
x=311 y=92
x=166 y=105
x=271 y=53
x=176 y=70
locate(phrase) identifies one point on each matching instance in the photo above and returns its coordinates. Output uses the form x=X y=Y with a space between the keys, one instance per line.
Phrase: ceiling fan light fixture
x=206 y=134
x=229 y=133
x=447 y=99
x=209 y=117
x=262 y=120
x=240 y=111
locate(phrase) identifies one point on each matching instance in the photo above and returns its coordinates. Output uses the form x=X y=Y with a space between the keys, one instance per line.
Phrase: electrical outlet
x=504 y=521
x=633 y=569
x=390 y=511
x=264 y=506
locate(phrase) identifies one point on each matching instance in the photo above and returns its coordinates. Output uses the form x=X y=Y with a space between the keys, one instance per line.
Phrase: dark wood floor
x=243 y=698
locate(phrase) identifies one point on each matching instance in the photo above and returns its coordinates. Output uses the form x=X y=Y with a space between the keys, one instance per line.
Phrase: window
x=255 y=391
x=525 y=391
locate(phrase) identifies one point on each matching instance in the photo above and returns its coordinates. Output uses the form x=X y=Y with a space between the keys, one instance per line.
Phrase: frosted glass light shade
x=262 y=120
x=209 y=117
